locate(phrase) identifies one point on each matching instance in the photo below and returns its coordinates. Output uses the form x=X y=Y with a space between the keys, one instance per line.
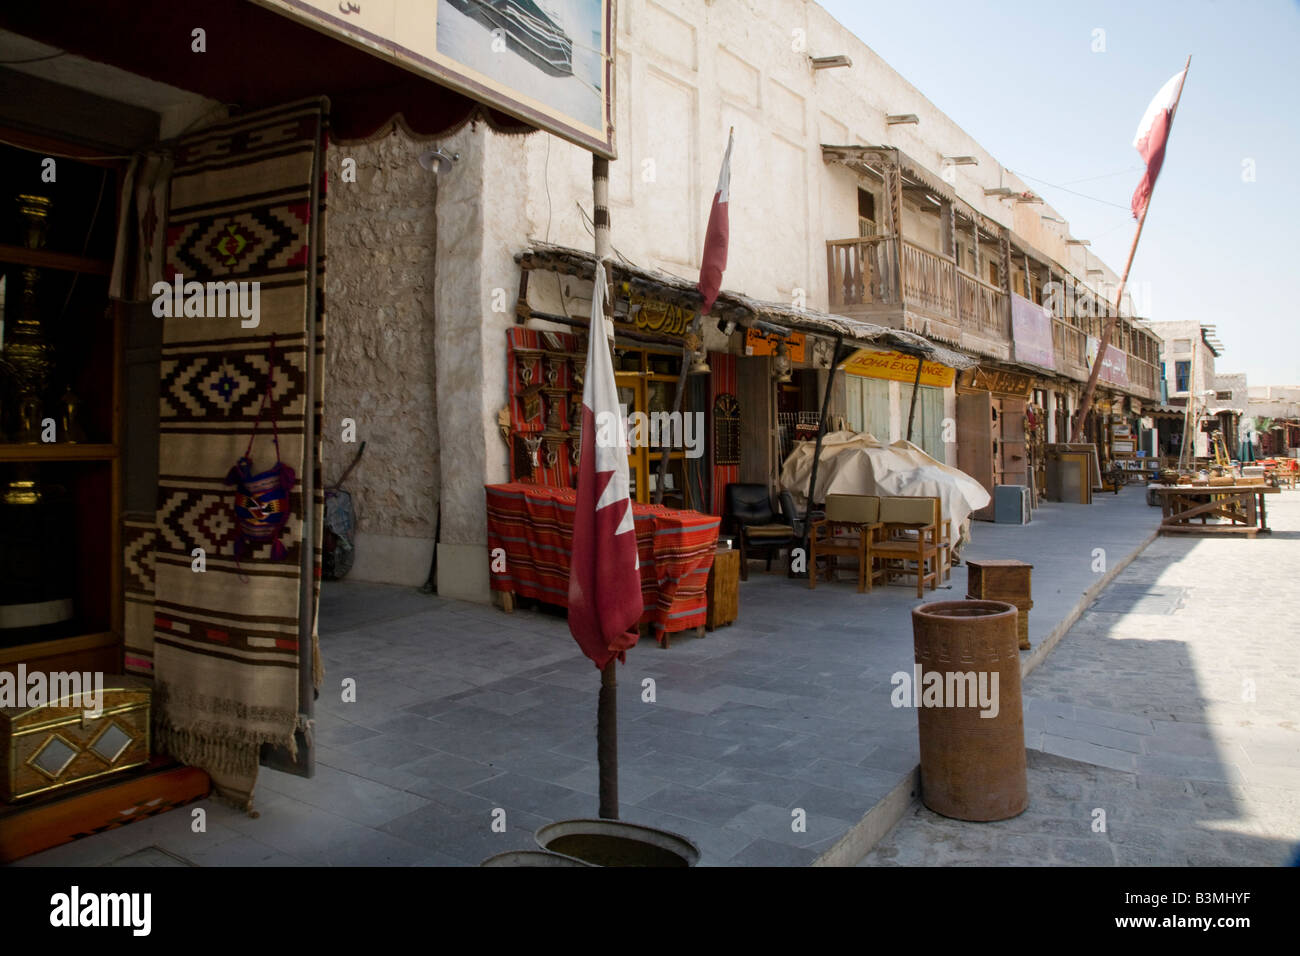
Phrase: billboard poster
x=547 y=62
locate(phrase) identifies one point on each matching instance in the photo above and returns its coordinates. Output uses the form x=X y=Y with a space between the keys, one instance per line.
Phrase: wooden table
x=1181 y=505
x=1007 y=580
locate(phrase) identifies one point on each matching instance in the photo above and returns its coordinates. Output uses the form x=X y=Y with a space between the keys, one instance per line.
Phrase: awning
x=254 y=58
x=741 y=309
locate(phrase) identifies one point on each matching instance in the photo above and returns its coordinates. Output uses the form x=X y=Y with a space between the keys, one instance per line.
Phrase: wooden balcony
x=901 y=284
x=1070 y=345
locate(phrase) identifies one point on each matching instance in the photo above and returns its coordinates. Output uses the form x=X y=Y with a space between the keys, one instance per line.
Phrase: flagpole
x=607 y=706
x=1085 y=405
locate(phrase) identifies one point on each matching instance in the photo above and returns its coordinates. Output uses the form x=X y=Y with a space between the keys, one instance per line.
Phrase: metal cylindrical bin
x=972 y=751
x=615 y=843
x=532 y=858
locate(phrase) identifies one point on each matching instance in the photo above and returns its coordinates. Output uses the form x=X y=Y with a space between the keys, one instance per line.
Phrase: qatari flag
x=716 y=235
x=605 y=575
x=1152 y=135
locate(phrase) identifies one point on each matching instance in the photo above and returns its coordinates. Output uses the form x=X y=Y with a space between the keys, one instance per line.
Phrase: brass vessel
x=27 y=352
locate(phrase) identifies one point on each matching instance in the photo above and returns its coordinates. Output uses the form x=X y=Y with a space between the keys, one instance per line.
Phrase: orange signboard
x=756 y=343
x=897 y=367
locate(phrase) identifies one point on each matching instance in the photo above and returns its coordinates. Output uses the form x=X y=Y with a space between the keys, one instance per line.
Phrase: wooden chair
x=909 y=536
x=750 y=517
x=846 y=529
x=944 y=541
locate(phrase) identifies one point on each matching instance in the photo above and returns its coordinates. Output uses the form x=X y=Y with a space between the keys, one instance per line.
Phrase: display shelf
x=57 y=451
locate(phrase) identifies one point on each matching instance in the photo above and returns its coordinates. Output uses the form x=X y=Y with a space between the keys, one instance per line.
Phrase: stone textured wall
x=380 y=368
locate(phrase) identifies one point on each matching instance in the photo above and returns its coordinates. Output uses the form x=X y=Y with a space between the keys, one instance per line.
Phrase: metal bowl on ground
x=532 y=858
x=615 y=843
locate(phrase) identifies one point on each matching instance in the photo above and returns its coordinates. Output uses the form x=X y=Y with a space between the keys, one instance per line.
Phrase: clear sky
x=1022 y=78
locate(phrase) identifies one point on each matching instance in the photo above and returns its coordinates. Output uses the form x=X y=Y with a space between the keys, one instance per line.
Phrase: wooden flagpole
x=1108 y=329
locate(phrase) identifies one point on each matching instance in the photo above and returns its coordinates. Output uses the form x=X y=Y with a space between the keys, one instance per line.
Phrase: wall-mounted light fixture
x=830 y=62
x=902 y=119
x=437 y=160
x=781 y=366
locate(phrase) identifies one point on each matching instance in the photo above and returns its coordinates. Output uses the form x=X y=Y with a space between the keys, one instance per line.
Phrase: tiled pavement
x=1173 y=706
x=462 y=709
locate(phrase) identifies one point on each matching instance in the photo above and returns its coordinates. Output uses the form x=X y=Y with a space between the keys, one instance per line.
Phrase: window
x=927 y=428
x=868 y=405
x=1182 y=372
x=866 y=213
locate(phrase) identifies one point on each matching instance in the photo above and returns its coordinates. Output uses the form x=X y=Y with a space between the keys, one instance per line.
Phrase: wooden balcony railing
x=929 y=281
x=862 y=276
x=983 y=302
x=861 y=272
x=879 y=274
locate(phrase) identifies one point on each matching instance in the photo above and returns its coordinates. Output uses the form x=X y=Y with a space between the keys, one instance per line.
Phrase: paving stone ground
x=1173 y=705
x=462 y=709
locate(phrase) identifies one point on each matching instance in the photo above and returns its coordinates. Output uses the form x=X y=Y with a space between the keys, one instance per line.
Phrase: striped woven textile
x=139 y=536
x=533 y=525
x=226 y=651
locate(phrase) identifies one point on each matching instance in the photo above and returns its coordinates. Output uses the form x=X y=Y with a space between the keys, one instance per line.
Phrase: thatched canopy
x=741 y=309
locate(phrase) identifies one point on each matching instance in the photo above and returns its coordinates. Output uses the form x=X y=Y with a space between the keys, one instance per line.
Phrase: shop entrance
x=647 y=384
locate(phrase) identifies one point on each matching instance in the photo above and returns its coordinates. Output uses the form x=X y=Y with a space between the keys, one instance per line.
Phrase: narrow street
x=462 y=709
x=1173 y=705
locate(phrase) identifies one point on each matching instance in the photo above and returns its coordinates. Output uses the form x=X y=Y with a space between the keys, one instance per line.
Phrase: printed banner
x=1031 y=331
x=1114 y=367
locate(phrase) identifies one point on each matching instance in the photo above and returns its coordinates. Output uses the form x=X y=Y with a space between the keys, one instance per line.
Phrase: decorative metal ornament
x=726 y=430
x=533 y=444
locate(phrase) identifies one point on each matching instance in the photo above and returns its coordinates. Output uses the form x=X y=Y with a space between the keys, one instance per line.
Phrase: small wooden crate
x=57 y=744
x=724 y=588
x=1003 y=580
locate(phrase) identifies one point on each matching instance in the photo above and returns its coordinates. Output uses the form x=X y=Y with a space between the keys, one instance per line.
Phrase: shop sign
x=550 y=65
x=657 y=316
x=760 y=343
x=997 y=380
x=897 y=367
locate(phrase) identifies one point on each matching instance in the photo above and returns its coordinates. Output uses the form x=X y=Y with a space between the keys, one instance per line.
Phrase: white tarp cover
x=859 y=464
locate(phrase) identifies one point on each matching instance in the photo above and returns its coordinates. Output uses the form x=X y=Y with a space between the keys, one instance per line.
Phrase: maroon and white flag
x=717 y=235
x=605 y=575
x=1152 y=135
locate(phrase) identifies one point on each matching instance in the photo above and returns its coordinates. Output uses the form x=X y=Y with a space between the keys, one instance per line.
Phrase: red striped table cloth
x=533 y=525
